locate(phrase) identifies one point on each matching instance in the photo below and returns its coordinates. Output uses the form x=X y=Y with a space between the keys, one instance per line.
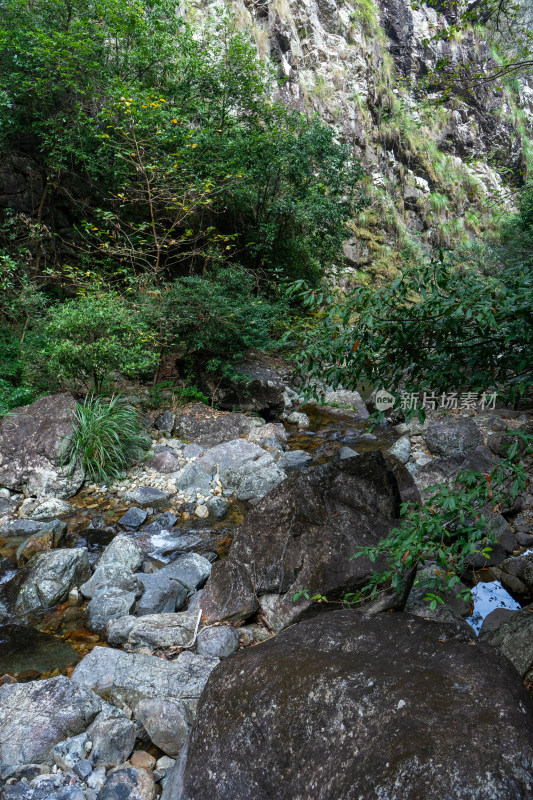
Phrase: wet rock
x=230 y=594
x=217 y=507
x=452 y=436
x=107 y=604
x=36 y=716
x=163 y=521
x=193 y=479
x=51 y=535
x=133 y=518
x=47 y=579
x=147 y=497
x=340 y=689
x=96 y=670
x=191 y=569
x=30 y=448
x=21 y=527
x=52 y=508
x=131 y=783
x=206 y=427
x=401 y=449
x=164 y=421
x=68 y=752
x=302 y=536
x=221 y=641
x=294 y=459
x=113 y=737
x=167 y=722
x=514 y=638
x=161 y=595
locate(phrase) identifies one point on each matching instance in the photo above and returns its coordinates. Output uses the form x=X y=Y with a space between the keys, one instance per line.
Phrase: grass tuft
x=106 y=439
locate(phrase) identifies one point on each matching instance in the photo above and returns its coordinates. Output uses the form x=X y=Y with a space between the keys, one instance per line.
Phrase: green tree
x=89 y=338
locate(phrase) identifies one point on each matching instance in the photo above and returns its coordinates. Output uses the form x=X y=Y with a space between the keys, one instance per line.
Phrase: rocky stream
x=149 y=642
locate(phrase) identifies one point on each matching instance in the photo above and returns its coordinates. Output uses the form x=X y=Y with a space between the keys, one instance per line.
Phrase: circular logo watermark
x=384 y=400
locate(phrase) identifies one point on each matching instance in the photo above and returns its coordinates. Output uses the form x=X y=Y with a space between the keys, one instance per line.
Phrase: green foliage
x=106 y=438
x=437 y=328
x=213 y=320
x=89 y=338
x=448 y=529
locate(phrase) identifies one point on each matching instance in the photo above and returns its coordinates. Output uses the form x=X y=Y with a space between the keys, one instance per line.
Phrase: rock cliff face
x=433 y=169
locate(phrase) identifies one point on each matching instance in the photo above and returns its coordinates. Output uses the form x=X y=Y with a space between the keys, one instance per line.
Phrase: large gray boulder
x=47 y=579
x=129 y=678
x=206 y=427
x=452 y=436
x=302 y=536
x=244 y=468
x=30 y=448
x=35 y=716
x=349 y=705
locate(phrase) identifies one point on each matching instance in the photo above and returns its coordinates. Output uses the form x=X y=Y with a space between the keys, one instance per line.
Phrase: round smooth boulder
x=351 y=705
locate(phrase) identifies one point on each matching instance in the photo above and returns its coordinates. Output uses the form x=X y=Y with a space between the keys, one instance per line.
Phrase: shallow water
x=488 y=597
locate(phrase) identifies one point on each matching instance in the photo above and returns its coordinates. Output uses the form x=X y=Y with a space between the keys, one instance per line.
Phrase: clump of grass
x=106 y=439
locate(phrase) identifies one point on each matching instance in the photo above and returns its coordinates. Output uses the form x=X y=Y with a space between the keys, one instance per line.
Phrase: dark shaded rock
x=439 y=470
x=30 y=445
x=230 y=594
x=517 y=577
x=206 y=427
x=514 y=638
x=495 y=619
x=36 y=716
x=162 y=522
x=25 y=648
x=128 y=784
x=499 y=443
x=47 y=579
x=217 y=507
x=261 y=385
x=452 y=436
x=302 y=537
x=133 y=518
x=348 y=705
x=164 y=421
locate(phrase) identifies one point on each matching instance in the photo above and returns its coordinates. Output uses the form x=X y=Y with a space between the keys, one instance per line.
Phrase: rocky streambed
x=150 y=641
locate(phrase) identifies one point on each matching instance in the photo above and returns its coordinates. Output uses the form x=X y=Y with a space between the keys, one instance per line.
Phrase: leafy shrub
x=93 y=336
x=438 y=327
x=106 y=439
x=215 y=319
